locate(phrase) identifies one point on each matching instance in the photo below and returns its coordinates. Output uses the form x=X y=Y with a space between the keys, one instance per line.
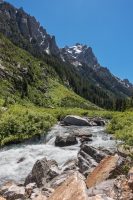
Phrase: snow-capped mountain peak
x=79 y=54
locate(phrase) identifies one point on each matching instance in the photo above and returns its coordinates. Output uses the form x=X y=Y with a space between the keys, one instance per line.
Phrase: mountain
x=25 y=31
x=24 y=78
x=85 y=61
x=77 y=67
x=78 y=55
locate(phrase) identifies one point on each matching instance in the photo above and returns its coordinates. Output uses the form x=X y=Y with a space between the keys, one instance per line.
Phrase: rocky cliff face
x=25 y=31
x=79 y=55
x=85 y=61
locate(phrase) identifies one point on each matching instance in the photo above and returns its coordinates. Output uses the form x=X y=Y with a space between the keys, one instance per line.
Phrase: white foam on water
x=11 y=169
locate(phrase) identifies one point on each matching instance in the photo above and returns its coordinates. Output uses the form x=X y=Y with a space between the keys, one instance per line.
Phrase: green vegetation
x=20 y=122
x=121 y=126
x=24 y=79
x=33 y=97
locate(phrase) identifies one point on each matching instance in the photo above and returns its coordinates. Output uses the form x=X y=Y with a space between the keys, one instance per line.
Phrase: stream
x=16 y=161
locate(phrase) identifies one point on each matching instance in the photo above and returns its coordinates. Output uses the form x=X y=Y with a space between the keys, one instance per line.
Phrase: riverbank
x=21 y=122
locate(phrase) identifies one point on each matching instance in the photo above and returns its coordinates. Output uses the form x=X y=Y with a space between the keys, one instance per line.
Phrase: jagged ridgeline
x=76 y=67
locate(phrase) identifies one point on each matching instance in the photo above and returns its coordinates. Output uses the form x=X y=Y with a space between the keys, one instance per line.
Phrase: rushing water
x=12 y=169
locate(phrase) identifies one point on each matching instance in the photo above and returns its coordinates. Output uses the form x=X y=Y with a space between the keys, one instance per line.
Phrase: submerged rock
x=62 y=141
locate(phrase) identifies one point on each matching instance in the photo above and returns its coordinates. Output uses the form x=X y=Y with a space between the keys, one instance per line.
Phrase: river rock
x=70 y=165
x=68 y=140
x=82 y=134
x=73 y=188
x=85 y=139
x=103 y=171
x=21 y=160
x=12 y=191
x=99 y=121
x=88 y=158
x=75 y=120
x=43 y=171
x=96 y=154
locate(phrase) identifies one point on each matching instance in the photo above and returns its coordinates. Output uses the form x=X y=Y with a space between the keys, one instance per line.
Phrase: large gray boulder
x=75 y=120
x=43 y=171
x=68 y=140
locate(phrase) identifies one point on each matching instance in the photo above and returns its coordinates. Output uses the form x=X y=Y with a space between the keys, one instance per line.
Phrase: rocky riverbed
x=76 y=160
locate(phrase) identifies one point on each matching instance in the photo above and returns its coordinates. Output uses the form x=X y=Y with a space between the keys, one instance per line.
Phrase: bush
x=122 y=127
x=20 y=123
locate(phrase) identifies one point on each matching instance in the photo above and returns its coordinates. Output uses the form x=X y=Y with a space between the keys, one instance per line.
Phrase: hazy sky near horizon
x=105 y=25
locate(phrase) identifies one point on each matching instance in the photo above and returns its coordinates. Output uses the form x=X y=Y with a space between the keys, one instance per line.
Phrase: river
x=16 y=161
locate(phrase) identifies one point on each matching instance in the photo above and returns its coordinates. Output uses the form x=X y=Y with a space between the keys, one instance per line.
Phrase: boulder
x=96 y=154
x=85 y=139
x=68 y=140
x=85 y=163
x=43 y=171
x=70 y=165
x=82 y=134
x=11 y=191
x=99 y=121
x=73 y=188
x=88 y=158
x=103 y=171
x=75 y=120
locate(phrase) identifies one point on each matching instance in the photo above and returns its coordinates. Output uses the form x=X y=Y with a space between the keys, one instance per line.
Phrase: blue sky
x=105 y=25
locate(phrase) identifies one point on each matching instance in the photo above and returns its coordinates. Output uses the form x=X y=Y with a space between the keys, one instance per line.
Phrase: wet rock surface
x=43 y=171
x=62 y=141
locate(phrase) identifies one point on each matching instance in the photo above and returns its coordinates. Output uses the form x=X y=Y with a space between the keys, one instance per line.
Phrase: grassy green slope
x=32 y=97
x=25 y=78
